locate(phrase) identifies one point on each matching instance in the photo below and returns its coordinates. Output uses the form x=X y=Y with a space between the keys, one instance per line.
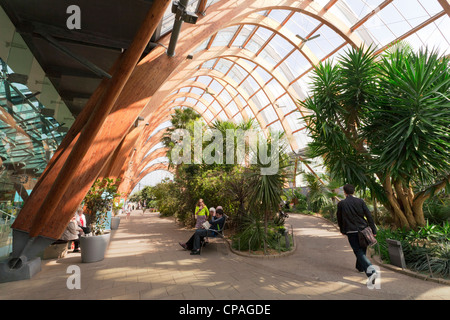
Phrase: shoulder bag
x=366 y=237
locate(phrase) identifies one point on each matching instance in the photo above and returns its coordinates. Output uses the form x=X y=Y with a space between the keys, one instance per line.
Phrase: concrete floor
x=144 y=261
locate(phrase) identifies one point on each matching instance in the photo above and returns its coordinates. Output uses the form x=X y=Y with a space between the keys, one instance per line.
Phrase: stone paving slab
x=144 y=261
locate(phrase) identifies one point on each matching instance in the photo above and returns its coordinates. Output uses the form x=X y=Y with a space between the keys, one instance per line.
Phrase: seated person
x=194 y=242
x=72 y=232
x=81 y=220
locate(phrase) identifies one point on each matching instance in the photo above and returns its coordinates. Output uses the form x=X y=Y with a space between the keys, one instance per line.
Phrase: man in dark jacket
x=194 y=241
x=353 y=216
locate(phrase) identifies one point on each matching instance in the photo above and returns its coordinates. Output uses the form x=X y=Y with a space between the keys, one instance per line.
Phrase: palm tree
x=232 y=130
x=267 y=189
x=382 y=122
x=181 y=119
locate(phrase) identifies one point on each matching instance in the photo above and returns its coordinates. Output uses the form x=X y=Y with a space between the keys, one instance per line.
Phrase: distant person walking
x=353 y=216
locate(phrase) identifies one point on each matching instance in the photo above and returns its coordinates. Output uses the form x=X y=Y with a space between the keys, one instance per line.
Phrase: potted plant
x=115 y=220
x=98 y=202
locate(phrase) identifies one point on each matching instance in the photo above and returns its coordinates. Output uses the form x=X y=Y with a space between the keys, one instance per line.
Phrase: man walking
x=353 y=216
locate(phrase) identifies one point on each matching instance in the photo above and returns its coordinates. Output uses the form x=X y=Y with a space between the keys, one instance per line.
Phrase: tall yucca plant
x=267 y=189
x=382 y=122
x=409 y=130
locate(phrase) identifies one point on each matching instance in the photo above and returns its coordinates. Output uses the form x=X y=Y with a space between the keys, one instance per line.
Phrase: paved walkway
x=144 y=261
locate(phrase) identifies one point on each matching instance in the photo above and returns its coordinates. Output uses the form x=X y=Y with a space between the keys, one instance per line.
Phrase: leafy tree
x=181 y=119
x=383 y=123
x=99 y=201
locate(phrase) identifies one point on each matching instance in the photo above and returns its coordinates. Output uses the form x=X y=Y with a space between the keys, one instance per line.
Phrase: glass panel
x=279 y=15
x=296 y=63
x=204 y=79
x=286 y=104
x=215 y=86
x=243 y=35
x=215 y=106
x=202 y=46
x=224 y=36
x=301 y=24
x=259 y=38
x=435 y=36
x=280 y=46
x=432 y=7
x=209 y=64
x=222 y=116
x=276 y=127
x=237 y=73
x=225 y=97
x=208 y=98
x=275 y=88
x=197 y=91
x=293 y=121
x=238 y=118
x=201 y=106
x=361 y=8
x=191 y=100
x=249 y=112
x=249 y=65
x=270 y=114
x=223 y=65
x=232 y=108
x=208 y=115
x=411 y=10
x=326 y=43
x=263 y=74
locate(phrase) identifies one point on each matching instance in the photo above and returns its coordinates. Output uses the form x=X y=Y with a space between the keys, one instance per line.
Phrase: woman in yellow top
x=201 y=214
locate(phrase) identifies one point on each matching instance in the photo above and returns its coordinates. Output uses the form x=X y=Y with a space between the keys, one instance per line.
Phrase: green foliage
x=145 y=195
x=268 y=188
x=437 y=209
x=183 y=118
x=424 y=249
x=253 y=235
x=99 y=200
x=412 y=103
x=237 y=187
x=382 y=121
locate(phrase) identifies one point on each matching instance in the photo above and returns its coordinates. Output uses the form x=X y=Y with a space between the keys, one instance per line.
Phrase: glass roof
x=28 y=132
x=260 y=67
x=278 y=48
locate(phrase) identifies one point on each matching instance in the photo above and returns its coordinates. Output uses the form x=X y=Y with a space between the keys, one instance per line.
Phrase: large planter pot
x=115 y=221
x=93 y=248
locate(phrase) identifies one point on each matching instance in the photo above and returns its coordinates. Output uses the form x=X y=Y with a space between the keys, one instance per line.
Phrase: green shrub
x=425 y=249
x=252 y=236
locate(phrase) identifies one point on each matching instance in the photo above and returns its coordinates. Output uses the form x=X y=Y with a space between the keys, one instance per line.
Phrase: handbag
x=366 y=237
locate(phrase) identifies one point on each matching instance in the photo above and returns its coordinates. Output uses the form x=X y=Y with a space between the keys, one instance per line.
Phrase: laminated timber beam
x=52 y=216
x=145 y=89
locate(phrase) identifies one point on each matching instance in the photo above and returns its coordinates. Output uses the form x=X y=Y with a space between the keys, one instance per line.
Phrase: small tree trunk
x=394 y=206
x=403 y=198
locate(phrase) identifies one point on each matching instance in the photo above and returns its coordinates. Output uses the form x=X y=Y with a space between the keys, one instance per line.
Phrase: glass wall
x=29 y=132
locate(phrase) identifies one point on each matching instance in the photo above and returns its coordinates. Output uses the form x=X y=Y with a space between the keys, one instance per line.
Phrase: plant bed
x=99 y=202
x=424 y=251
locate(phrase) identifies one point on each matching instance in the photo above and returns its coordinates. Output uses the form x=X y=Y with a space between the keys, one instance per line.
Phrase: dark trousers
x=362 y=262
x=77 y=243
x=194 y=241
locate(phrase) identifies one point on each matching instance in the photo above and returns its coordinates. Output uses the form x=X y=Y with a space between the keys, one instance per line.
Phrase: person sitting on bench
x=72 y=232
x=194 y=241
